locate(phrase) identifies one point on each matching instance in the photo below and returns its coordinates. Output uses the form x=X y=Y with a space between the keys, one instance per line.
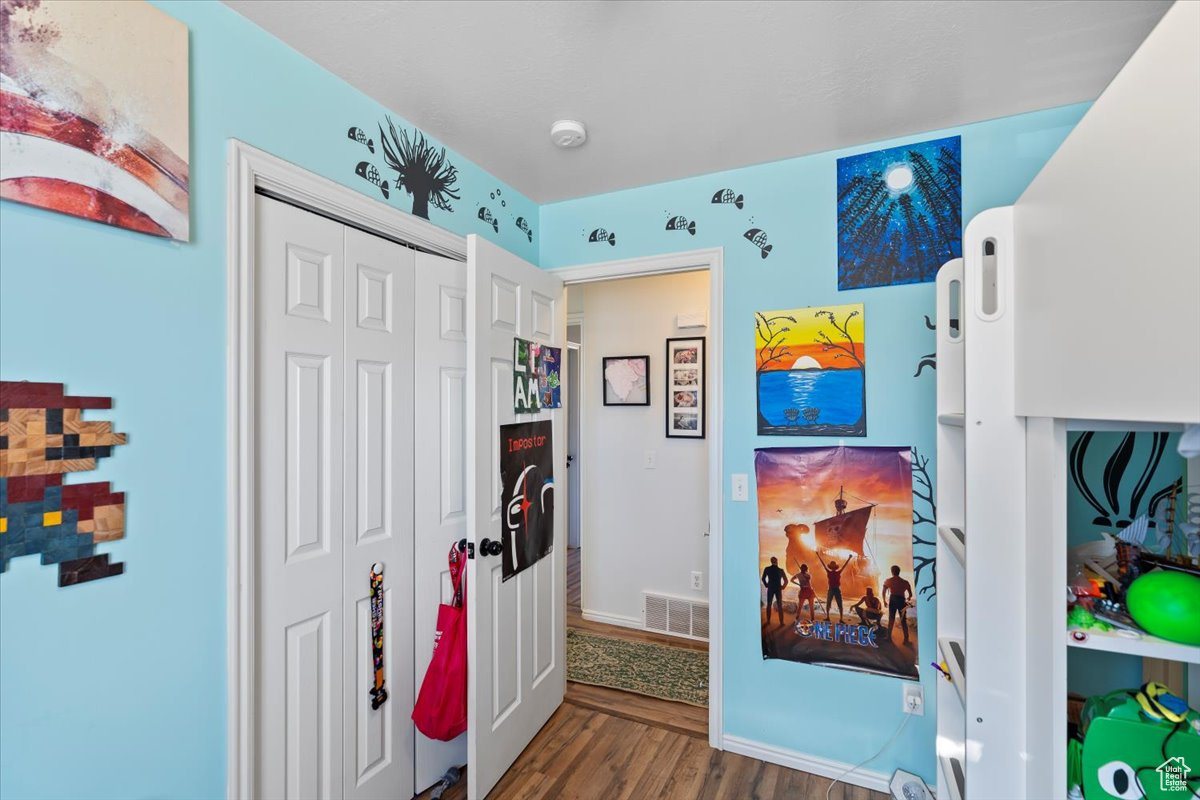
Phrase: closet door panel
x=378 y=512
x=441 y=375
x=299 y=344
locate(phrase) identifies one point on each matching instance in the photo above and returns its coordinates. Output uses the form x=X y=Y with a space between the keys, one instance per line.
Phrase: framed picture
x=92 y=130
x=685 y=388
x=626 y=380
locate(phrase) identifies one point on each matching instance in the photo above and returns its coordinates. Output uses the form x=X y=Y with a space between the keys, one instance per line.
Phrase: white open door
x=516 y=630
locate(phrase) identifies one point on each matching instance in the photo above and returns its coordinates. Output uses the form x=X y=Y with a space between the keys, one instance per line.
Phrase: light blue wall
x=824 y=712
x=117 y=688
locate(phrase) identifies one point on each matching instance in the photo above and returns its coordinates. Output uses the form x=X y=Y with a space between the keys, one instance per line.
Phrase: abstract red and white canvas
x=94 y=112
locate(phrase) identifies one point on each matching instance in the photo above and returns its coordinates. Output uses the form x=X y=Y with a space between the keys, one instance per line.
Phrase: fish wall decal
x=357 y=135
x=758 y=238
x=601 y=235
x=728 y=196
x=367 y=171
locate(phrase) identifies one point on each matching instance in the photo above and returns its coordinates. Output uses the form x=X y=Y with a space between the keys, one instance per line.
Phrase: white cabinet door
x=299 y=484
x=515 y=629
x=378 y=505
x=441 y=474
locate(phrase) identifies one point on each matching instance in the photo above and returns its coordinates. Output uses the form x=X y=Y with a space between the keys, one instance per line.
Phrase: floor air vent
x=676 y=616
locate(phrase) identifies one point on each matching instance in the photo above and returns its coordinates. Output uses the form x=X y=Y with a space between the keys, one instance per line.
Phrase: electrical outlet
x=913 y=698
x=697 y=580
x=740 y=488
x=651 y=459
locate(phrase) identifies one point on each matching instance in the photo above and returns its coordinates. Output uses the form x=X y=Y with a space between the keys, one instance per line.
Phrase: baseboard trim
x=612 y=619
x=826 y=768
x=635 y=623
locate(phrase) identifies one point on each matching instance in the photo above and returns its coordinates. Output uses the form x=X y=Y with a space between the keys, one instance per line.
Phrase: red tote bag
x=441 y=709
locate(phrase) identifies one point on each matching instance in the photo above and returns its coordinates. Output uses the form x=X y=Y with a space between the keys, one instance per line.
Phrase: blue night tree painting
x=899 y=213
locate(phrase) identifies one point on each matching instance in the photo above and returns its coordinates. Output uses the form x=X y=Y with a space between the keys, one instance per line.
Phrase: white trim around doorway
x=691 y=261
x=248 y=171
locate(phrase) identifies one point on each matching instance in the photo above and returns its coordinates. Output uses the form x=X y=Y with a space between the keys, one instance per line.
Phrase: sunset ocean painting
x=811 y=371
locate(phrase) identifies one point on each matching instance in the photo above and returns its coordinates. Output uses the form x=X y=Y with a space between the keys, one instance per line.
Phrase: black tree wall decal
x=929 y=360
x=925 y=562
x=421 y=169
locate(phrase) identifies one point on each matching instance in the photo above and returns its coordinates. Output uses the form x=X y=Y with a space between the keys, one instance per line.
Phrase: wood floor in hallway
x=604 y=744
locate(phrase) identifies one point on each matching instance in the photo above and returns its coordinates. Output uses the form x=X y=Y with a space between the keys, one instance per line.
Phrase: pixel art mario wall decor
x=42 y=437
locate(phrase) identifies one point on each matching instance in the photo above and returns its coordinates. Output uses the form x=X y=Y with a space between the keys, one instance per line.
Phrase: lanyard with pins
x=378 y=693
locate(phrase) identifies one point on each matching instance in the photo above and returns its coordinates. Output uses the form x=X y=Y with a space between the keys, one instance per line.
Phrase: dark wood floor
x=612 y=745
x=583 y=754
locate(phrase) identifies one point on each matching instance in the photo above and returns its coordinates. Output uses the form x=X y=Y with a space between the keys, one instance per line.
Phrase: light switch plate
x=740 y=489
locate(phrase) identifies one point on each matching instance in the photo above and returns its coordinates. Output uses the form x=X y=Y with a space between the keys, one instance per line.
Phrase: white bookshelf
x=1042 y=294
x=1046 y=291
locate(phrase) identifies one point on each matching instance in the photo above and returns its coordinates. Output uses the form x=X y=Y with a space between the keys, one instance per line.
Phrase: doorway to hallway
x=638 y=558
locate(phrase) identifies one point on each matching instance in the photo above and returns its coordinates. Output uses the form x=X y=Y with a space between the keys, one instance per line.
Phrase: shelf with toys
x=1135 y=592
x=1133 y=596
x=1143 y=645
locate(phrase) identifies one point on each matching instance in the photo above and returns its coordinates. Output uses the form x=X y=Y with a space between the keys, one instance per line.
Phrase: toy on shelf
x=1166 y=603
x=1116 y=585
x=1139 y=744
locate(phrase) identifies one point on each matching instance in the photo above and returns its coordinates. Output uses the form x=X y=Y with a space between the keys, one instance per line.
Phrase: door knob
x=491 y=547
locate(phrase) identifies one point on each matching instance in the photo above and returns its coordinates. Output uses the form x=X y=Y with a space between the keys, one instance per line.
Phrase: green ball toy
x=1166 y=603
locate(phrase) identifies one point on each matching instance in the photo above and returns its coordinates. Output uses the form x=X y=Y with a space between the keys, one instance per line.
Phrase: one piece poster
x=812 y=371
x=526 y=397
x=95 y=112
x=549 y=371
x=836 y=559
x=527 y=494
x=899 y=213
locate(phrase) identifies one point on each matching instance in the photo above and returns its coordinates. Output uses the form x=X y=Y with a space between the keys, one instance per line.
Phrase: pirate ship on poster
x=838 y=522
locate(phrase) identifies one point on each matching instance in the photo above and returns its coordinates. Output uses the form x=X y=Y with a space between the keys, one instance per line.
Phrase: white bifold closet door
x=441 y=474
x=334 y=425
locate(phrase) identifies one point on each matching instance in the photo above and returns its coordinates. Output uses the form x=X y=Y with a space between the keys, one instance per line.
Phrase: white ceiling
x=674 y=89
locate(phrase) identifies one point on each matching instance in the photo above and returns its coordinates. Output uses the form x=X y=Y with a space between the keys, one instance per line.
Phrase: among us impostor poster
x=835 y=557
x=527 y=495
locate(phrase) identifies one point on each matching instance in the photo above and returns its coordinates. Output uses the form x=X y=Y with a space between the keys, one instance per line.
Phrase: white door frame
x=574 y=392
x=690 y=261
x=249 y=169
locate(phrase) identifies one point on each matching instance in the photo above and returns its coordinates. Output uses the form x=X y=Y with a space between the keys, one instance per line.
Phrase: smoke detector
x=568 y=133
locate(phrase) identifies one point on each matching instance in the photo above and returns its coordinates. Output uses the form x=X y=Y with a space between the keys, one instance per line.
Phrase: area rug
x=656 y=670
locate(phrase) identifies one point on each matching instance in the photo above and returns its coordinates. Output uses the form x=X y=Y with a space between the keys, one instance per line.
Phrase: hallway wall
x=642 y=529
